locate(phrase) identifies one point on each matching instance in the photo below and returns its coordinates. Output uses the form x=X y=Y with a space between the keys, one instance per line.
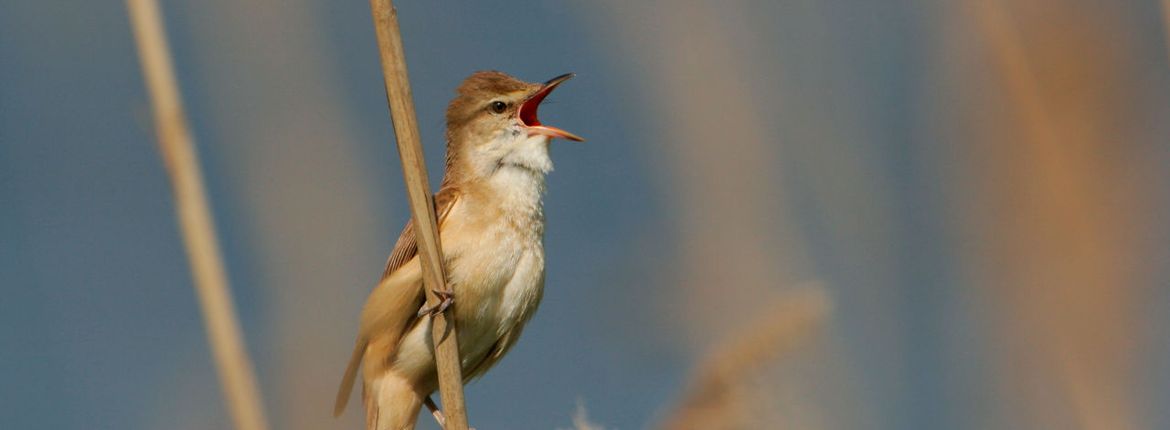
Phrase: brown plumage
x=491 y=226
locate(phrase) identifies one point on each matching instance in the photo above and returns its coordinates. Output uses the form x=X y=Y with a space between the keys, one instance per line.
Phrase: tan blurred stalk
x=306 y=195
x=237 y=378
x=1054 y=214
x=719 y=396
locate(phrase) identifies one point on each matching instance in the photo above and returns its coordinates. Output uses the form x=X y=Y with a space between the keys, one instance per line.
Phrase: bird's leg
x=446 y=299
x=435 y=412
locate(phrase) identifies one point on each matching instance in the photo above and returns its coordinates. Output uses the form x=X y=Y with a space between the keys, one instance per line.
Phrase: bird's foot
x=435 y=412
x=438 y=414
x=446 y=299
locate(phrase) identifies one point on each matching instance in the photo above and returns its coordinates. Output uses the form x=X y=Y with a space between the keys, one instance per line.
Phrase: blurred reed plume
x=581 y=419
x=719 y=396
x=237 y=378
x=1055 y=211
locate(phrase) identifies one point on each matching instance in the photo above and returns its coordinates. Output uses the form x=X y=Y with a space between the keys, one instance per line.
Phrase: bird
x=490 y=214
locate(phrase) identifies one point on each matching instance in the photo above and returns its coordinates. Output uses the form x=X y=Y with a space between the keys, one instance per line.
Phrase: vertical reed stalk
x=195 y=222
x=422 y=207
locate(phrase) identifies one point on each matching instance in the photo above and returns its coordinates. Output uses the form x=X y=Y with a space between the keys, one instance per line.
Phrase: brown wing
x=396 y=299
x=406 y=247
x=387 y=313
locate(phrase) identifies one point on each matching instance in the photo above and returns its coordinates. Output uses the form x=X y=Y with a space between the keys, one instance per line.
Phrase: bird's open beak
x=527 y=111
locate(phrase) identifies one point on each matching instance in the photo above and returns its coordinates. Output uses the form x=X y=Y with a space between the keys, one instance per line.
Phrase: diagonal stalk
x=422 y=208
x=236 y=375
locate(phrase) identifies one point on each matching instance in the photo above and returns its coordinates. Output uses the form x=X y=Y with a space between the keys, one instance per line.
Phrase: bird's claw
x=446 y=299
x=438 y=414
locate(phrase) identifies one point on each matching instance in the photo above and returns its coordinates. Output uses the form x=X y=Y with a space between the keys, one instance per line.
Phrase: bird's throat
x=518 y=189
x=527 y=152
x=513 y=149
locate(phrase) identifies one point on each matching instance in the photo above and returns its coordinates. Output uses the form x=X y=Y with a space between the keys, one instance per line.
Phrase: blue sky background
x=826 y=129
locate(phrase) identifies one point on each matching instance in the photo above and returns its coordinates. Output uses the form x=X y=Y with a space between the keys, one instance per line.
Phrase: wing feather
x=394 y=303
x=406 y=247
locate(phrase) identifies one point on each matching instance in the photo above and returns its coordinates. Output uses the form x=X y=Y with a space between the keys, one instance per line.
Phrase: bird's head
x=492 y=124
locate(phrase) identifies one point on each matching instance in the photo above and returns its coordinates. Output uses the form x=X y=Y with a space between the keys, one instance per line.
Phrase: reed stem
x=196 y=225
x=422 y=208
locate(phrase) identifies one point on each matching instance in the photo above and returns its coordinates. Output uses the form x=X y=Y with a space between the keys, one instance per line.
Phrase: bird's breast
x=494 y=265
x=495 y=262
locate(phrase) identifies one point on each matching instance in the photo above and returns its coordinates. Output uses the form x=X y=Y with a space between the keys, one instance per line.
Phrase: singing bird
x=491 y=226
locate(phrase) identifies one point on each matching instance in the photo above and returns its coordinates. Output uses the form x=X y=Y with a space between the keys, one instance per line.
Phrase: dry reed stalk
x=422 y=208
x=198 y=229
x=1058 y=247
x=716 y=399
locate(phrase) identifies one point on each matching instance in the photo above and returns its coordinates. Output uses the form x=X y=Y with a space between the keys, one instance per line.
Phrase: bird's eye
x=498 y=106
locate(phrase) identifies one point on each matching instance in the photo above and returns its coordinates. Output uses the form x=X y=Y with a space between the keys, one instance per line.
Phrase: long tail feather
x=343 y=392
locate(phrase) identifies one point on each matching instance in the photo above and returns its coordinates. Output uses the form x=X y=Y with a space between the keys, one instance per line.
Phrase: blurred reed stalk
x=1058 y=213
x=198 y=229
x=717 y=397
x=422 y=208
x=306 y=196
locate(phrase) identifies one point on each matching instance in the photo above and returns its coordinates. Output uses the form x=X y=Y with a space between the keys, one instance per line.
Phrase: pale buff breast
x=495 y=264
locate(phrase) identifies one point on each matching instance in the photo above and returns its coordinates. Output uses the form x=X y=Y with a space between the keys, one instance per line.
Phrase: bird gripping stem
x=422 y=208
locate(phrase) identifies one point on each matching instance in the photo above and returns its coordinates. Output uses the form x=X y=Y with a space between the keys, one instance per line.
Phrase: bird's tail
x=351 y=372
x=391 y=403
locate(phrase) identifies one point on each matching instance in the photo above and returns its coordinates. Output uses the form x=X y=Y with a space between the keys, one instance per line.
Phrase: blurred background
x=799 y=214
